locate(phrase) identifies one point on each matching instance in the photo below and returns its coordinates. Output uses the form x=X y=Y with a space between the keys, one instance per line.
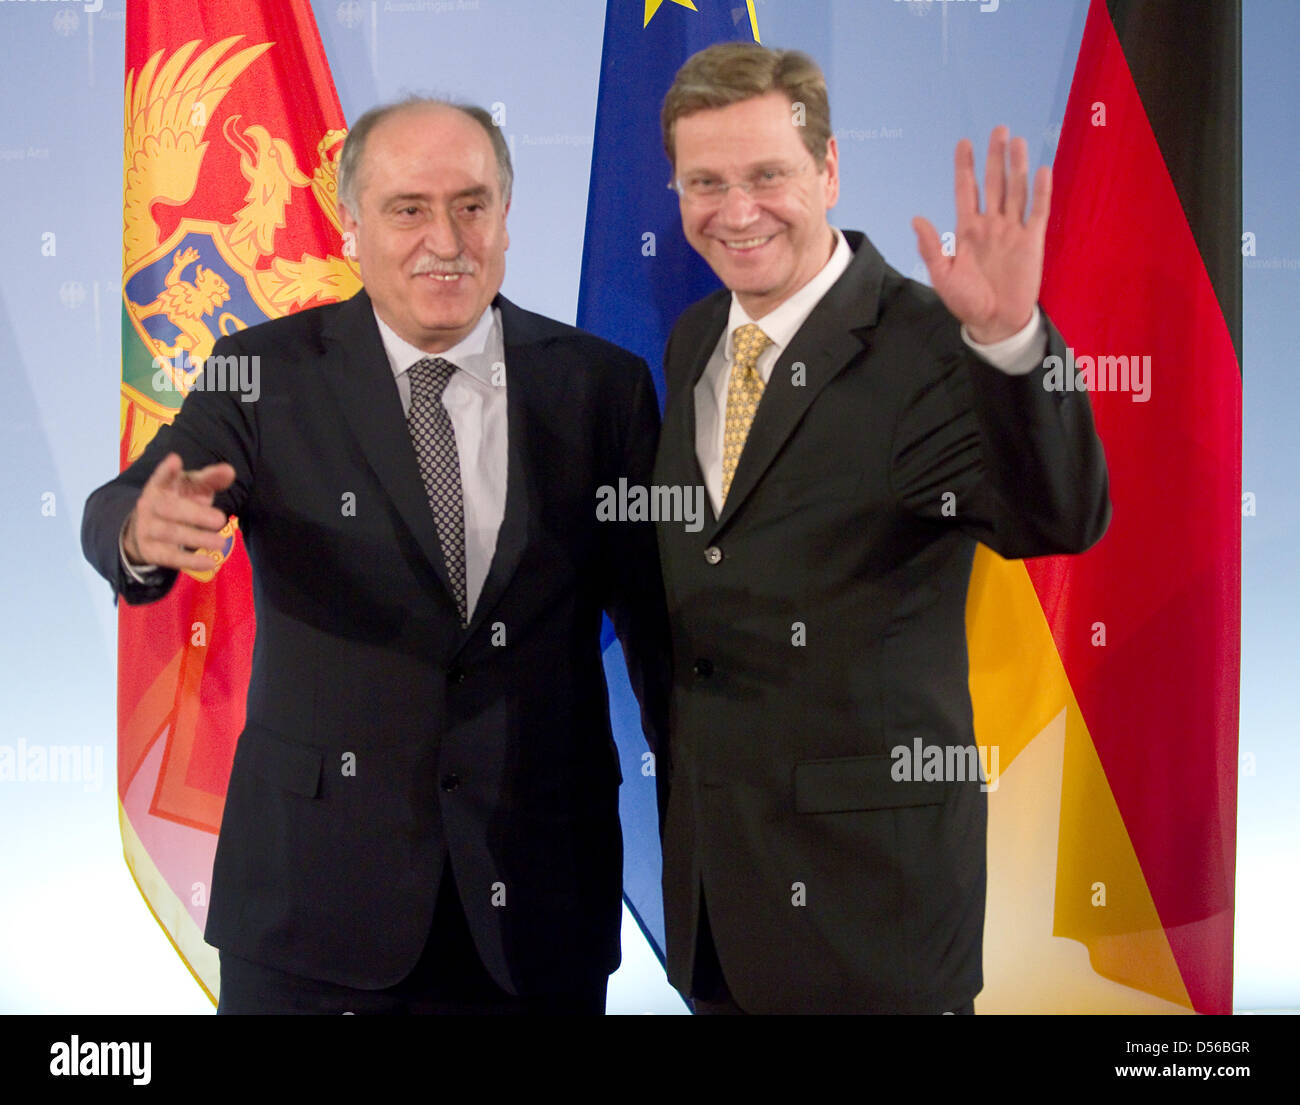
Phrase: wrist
x=990 y=333
x=129 y=548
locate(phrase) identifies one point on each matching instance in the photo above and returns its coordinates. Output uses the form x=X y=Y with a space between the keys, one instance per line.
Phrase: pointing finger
x=210 y=480
x=167 y=474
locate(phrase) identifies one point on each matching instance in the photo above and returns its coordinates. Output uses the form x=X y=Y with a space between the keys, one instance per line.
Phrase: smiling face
x=764 y=248
x=430 y=229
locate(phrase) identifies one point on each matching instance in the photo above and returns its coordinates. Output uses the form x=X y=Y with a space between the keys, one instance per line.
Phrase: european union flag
x=638 y=272
x=638 y=275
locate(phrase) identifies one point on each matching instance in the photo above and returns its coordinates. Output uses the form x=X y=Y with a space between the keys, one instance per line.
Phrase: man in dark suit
x=857 y=434
x=422 y=813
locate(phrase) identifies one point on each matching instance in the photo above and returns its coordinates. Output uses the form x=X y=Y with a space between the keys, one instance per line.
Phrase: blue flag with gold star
x=638 y=275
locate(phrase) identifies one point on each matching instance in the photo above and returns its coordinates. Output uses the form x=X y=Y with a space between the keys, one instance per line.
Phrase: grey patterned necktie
x=434 y=439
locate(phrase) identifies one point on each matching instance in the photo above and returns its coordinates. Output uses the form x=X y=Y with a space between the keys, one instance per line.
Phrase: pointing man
x=445 y=632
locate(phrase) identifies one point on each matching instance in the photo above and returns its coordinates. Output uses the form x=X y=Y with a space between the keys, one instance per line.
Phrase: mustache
x=460 y=265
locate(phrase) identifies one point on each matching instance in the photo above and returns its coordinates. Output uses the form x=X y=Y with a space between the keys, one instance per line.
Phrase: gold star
x=652 y=6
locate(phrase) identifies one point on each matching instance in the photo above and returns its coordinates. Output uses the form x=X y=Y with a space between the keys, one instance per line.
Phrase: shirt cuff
x=1019 y=354
x=140 y=573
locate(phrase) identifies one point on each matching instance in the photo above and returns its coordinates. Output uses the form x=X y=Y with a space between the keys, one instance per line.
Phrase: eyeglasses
x=766 y=183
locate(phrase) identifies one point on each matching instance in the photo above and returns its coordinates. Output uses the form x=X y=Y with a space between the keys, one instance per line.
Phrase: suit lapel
x=528 y=387
x=832 y=336
x=679 y=428
x=356 y=368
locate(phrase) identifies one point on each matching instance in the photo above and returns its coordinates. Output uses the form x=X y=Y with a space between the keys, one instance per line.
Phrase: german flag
x=1106 y=685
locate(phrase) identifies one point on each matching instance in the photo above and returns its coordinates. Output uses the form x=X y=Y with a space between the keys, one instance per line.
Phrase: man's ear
x=832 y=167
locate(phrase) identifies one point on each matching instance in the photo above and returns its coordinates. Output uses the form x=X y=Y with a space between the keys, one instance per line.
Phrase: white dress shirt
x=475 y=400
x=1017 y=355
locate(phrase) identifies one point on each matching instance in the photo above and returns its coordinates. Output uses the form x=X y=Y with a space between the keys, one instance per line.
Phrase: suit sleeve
x=1001 y=457
x=210 y=427
x=635 y=596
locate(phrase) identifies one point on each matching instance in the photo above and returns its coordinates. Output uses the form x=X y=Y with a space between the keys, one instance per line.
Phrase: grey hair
x=354 y=146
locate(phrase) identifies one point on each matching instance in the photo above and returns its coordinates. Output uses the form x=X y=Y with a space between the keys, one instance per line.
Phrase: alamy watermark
x=984 y=5
x=92 y=6
x=241 y=374
x=656 y=503
x=953 y=763
x=53 y=763
x=88 y=1058
x=1101 y=373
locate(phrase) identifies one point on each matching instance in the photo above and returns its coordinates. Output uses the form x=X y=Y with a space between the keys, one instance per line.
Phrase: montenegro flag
x=232 y=135
x=1106 y=685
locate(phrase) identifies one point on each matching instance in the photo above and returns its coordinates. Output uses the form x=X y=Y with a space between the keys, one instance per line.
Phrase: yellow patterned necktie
x=744 y=390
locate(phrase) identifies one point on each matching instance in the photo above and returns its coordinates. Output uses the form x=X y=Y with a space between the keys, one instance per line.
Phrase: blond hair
x=731 y=72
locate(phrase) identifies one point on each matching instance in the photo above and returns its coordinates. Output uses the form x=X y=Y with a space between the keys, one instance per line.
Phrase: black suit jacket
x=490 y=745
x=819 y=623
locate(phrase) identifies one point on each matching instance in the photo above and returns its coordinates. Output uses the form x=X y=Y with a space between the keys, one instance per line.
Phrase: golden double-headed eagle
x=169 y=105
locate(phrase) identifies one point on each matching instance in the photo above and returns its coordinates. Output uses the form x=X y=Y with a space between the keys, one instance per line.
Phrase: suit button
x=450 y=781
x=456 y=674
x=703 y=667
x=713 y=554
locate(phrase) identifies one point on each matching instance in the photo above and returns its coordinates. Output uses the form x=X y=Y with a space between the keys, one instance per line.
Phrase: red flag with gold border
x=232 y=135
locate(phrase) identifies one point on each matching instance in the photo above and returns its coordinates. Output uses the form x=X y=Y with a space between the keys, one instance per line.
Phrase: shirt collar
x=782 y=324
x=475 y=353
